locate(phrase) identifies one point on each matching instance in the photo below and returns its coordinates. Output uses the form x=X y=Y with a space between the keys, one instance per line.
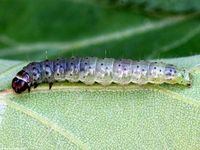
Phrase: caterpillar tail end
x=185 y=78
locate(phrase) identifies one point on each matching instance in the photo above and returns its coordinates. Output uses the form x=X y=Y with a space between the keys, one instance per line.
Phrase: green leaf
x=171 y=5
x=76 y=116
x=49 y=29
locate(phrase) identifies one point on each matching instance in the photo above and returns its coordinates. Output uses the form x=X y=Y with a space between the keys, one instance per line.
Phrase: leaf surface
x=76 y=116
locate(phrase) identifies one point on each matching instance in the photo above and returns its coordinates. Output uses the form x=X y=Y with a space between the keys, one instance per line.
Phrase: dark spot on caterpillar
x=160 y=70
x=46 y=72
x=34 y=74
x=174 y=71
x=189 y=84
x=124 y=69
x=154 y=68
x=119 y=65
x=85 y=63
x=89 y=67
x=106 y=67
x=70 y=74
x=58 y=74
x=101 y=64
x=72 y=63
x=33 y=68
x=46 y=65
x=86 y=58
x=138 y=66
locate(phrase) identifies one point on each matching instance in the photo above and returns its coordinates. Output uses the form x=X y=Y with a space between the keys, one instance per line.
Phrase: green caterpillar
x=104 y=71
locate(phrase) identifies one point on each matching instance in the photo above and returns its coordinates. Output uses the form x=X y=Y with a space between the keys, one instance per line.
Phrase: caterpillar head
x=184 y=77
x=21 y=82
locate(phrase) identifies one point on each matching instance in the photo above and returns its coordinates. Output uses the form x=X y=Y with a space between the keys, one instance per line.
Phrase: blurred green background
x=136 y=29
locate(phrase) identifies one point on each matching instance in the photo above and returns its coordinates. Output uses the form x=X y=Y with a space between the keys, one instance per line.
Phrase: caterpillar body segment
x=122 y=71
x=103 y=71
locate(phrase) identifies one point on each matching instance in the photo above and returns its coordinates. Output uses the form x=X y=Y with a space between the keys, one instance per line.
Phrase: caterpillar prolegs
x=104 y=71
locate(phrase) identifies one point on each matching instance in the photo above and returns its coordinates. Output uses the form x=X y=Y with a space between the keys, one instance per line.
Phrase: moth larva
x=104 y=71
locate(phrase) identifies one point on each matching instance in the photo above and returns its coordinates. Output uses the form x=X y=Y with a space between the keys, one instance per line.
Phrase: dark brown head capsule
x=21 y=82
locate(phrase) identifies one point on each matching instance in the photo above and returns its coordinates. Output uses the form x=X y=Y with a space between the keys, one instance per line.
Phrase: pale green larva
x=104 y=71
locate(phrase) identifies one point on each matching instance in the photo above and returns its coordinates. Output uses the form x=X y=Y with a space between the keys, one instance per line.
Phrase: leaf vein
x=177 y=96
x=176 y=43
x=48 y=123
